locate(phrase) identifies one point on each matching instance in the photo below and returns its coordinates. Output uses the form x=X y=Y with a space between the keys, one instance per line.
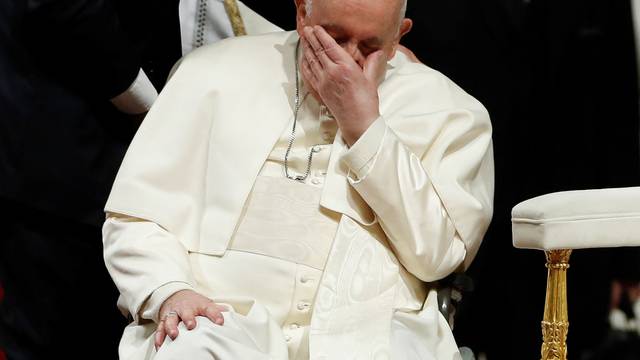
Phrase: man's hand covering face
x=349 y=91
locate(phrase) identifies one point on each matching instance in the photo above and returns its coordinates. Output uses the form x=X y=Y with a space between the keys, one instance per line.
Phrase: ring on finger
x=170 y=313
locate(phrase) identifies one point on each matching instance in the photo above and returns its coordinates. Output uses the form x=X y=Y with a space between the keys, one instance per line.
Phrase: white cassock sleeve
x=131 y=246
x=429 y=179
x=158 y=196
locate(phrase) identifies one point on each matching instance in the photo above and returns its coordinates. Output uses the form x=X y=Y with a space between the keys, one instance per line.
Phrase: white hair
x=403 y=10
x=308 y=6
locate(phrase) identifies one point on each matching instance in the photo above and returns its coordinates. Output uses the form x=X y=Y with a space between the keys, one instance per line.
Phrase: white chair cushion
x=578 y=220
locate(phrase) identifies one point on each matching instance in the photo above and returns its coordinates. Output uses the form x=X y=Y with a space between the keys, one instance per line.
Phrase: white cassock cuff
x=361 y=156
x=147 y=263
x=151 y=309
x=138 y=98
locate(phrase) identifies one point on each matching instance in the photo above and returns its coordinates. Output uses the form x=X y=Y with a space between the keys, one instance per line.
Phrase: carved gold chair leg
x=555 y=323
x=603 y=214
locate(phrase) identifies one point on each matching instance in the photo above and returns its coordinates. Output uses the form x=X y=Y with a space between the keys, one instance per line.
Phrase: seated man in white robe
x=296 y=195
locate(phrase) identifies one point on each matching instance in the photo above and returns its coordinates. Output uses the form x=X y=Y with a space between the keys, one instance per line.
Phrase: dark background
x=559 y=80
x=557 y=76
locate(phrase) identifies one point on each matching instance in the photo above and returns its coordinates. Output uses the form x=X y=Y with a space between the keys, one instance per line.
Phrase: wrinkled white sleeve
x=393 y=182
x=429 y=182
x=147 y=263
x=157 y=199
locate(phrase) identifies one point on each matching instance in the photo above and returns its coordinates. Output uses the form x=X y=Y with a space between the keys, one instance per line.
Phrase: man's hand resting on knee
x=184 y=306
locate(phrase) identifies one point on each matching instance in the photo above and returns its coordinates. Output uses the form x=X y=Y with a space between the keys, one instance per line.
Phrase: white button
x=317 y=149
x=294 y=326
x=304 y=279
x=316 y=181
x=287 y=338
x=302 y=306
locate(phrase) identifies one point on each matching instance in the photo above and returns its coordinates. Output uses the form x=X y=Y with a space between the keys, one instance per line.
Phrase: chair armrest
x=450 y=292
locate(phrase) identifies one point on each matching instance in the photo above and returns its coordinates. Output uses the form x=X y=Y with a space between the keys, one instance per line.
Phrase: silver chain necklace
x=292 y=137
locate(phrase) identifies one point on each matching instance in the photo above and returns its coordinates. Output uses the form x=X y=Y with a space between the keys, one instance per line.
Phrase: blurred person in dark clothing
x=61 y=143
x=162 y=32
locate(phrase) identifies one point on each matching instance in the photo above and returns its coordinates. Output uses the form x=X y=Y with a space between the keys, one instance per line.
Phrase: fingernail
x=219 y=321
x=190 y=324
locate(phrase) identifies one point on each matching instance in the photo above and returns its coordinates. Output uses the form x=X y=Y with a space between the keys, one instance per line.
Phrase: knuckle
x=185 y=305
x=212 y=310
x=187 y=315
x=334 y=71
x=346 y=68
x=340 y=71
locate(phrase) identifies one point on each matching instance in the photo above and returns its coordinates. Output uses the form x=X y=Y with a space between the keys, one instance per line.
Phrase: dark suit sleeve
x=83 y=44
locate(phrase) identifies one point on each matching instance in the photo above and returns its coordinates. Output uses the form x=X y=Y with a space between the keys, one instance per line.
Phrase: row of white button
x=304 y=291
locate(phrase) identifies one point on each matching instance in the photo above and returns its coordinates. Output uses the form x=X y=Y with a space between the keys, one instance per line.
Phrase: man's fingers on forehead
x=324 y=38
x=312 y=40
x=308 y=72
x=307 y=46
x=310 y=56
x=329 y=45
x=316 y=50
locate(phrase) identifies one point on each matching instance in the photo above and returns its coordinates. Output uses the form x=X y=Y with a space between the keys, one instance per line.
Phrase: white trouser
x=254 y=336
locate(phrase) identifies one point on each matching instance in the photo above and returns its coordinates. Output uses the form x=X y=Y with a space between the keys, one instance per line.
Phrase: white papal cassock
x=336 y=267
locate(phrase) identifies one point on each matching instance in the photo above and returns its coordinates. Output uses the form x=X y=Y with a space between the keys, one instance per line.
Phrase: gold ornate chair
x=559 y=223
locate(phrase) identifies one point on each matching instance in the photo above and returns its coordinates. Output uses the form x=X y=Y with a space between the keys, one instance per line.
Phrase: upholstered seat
x=578 y=220
x=561 y=222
